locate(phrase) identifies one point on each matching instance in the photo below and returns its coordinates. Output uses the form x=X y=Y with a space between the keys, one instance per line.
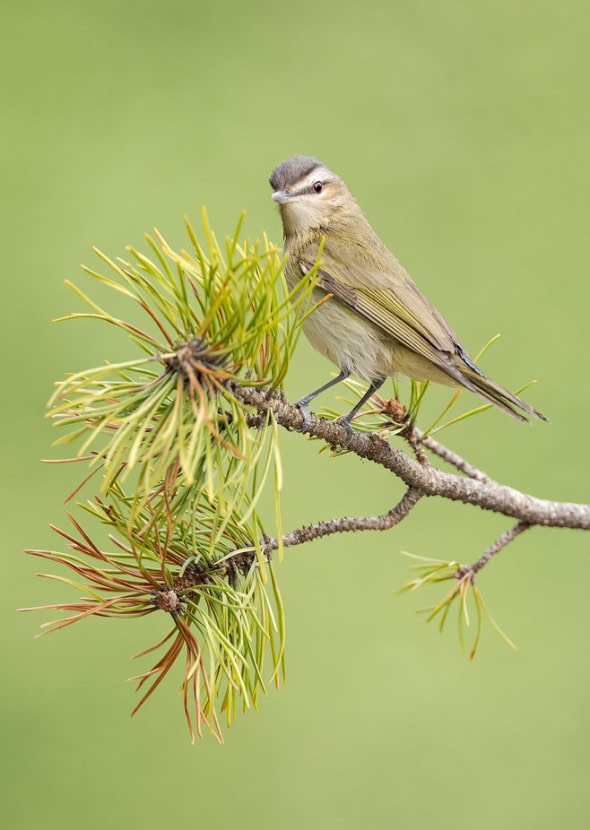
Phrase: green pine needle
x=463 y=593
x=205 y=317
x=196 y=562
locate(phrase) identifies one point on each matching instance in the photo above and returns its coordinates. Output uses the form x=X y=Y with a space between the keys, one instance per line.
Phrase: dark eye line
x=309 y=189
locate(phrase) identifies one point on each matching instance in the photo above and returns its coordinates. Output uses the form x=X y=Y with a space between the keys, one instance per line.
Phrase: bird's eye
x=317 y=187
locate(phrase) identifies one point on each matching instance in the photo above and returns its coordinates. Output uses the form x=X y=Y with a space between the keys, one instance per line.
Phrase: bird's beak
x=281 y=196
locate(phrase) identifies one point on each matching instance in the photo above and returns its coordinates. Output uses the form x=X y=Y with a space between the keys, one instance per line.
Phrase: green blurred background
x=463 y=128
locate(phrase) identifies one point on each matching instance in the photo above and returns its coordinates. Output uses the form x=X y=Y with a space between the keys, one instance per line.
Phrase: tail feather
x=485 y=387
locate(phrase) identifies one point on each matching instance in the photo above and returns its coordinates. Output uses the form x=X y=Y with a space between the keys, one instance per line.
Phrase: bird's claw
x=344 y=422
x=302 y=407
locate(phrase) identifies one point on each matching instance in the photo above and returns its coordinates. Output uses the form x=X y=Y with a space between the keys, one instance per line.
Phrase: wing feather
x=391 y=300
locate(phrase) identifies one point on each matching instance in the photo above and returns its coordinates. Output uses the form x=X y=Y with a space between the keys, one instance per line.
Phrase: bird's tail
x=491 y=391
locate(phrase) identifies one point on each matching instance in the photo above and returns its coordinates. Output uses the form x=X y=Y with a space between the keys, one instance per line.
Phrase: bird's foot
x=302 y=406
x=344 y=421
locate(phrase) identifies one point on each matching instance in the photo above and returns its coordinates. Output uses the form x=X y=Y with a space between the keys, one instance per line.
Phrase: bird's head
x=309 y=195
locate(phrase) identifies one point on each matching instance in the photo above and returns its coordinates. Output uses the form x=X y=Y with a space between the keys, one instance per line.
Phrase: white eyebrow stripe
x=320 y=174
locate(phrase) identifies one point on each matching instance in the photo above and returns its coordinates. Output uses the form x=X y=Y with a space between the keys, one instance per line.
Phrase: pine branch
x=184 y=439
x=308 y=533
x=425 y=479
x=451 y=457
x=493 y=549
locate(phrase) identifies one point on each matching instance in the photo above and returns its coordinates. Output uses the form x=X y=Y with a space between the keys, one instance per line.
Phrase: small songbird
x=376 y=323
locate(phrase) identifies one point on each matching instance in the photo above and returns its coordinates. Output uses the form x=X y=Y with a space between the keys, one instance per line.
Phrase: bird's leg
x=303 y=403
x=375 y=385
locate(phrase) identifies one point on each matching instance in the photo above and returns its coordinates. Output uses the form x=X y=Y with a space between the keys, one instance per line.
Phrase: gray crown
x=291 y=171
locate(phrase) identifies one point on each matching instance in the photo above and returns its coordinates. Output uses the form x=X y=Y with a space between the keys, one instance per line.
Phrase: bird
x=374 y=322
